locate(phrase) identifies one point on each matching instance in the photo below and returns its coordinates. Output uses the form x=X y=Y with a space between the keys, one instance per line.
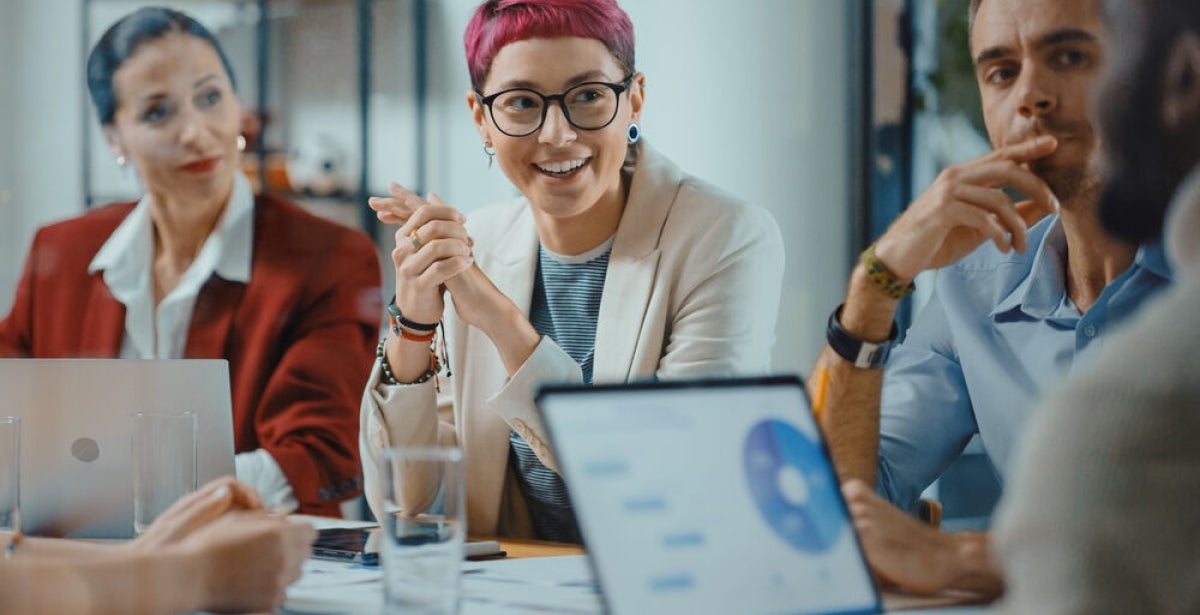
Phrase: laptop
x=76 y=427
x=708 y=497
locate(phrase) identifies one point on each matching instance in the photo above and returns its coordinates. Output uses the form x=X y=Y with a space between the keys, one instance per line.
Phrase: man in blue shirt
x=1008 y=319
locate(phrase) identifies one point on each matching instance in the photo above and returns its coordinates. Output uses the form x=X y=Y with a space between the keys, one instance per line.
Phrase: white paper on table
x=553 y=584
x=502 y=587
x=567 y=570
x=322 y=574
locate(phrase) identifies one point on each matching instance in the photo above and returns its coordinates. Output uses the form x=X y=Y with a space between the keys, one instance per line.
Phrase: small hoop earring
x=241 y=143
x=491 y=153
x=633 y=133
x=121 y=161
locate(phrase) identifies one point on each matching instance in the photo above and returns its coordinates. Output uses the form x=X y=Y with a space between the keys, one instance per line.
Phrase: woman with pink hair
x=613 y=266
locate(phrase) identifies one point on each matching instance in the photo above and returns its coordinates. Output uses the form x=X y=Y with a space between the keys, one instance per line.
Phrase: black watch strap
x=399 y=318
x=862 y=354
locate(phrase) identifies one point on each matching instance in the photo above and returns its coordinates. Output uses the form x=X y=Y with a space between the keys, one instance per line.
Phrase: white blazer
x=692 y=290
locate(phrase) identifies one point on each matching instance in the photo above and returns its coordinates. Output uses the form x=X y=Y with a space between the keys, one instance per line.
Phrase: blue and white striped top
x=566 y=304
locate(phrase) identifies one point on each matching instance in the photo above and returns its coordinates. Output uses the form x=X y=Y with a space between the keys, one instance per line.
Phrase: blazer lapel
x=511 y=266
x=103 y=322
x=633 y=265
x=212 y=318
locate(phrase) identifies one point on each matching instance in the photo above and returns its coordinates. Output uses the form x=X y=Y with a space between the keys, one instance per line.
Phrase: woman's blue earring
x=491 y=154
x=634 y=133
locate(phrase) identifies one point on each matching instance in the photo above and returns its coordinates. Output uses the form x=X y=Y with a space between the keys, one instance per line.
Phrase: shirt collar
x=235 y=231
x=124 y=256
x=1041 y=294
x=1152 y=257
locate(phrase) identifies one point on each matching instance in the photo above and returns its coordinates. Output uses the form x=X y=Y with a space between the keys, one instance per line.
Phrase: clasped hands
x=432 y=255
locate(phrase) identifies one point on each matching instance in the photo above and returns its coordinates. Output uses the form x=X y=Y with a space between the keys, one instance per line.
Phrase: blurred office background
x=830 y=114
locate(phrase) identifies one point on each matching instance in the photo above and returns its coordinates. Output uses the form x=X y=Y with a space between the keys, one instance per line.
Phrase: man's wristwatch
x=862 y=354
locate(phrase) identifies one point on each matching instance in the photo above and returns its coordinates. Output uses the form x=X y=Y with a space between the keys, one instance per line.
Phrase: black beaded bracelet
x=389 y=378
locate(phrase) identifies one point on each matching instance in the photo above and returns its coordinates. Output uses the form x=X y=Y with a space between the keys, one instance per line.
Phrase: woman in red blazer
x=201 y=268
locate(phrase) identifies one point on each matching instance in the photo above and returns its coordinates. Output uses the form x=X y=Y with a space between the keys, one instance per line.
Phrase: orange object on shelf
x=277 y=174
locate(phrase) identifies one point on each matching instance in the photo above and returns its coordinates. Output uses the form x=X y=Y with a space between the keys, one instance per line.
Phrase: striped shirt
x=566 y=304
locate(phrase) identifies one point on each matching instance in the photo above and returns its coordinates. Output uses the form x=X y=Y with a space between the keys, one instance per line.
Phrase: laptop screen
x=710 y=497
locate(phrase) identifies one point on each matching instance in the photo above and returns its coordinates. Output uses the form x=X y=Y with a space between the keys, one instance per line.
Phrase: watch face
x=861 y=354
x=876 y=354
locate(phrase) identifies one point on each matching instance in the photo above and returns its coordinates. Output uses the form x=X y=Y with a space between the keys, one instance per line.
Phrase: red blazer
x=299 y=337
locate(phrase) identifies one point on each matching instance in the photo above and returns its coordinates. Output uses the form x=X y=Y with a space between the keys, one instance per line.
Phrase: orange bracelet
x=413 y=337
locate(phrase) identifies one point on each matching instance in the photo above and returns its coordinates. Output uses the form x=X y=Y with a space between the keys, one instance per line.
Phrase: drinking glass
x=424 y=528
x=10 y=476
x=164 y=463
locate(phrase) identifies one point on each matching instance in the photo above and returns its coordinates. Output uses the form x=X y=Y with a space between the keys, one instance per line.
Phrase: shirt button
x=1090 y=330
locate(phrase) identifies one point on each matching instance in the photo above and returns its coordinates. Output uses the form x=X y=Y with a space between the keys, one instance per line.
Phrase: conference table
x=535 y=577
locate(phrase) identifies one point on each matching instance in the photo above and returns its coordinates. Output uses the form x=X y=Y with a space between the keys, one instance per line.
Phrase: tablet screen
x=715 y=497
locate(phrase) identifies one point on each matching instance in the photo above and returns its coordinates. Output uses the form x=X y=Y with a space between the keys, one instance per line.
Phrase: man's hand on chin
x=914 y=557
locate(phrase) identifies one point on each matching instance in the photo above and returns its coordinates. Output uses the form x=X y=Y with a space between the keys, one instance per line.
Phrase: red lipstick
x=203 y=165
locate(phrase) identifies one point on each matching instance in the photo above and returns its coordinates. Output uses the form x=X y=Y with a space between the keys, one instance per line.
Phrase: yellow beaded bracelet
x=882 y=277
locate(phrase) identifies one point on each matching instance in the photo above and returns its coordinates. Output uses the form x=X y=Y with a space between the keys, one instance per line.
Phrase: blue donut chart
x=812 y=526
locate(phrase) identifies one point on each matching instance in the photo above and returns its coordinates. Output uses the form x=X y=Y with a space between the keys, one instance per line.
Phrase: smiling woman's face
x=177 y=118
x=561 y=169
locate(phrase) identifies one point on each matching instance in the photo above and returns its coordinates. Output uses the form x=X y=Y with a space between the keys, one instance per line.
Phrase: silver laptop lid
x=76 y=430
x=708 y=497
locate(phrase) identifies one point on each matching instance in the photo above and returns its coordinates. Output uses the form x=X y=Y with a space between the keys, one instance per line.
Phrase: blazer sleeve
x=401 y=415
x=724 y=323
x=16 y=330
x=306 y=416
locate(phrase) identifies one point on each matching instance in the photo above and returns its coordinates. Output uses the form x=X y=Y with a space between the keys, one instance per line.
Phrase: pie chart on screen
x=789 y=479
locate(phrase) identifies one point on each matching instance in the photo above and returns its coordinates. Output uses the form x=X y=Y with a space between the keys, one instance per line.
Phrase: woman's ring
x=416 y=241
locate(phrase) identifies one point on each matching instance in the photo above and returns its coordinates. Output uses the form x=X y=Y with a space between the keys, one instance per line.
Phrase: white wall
x=759 y=108
x=42 y=140
x=750 y=96
x=10 y=252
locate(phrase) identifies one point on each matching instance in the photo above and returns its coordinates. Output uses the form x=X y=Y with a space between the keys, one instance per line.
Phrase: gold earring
x=241 y=143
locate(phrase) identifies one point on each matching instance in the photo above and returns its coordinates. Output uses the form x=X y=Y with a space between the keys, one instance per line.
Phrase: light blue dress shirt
x=997 y=334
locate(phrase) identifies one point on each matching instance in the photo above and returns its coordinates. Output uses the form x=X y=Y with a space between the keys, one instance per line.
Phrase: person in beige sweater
x=1104 y=514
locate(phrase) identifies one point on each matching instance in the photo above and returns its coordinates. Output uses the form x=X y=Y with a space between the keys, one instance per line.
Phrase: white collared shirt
x=161 y=332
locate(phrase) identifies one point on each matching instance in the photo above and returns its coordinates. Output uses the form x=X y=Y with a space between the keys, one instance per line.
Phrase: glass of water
x=10 y=477
x=164 y=463
x=424 y=528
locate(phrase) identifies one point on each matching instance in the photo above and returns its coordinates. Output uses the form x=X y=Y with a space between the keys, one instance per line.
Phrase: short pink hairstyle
x=497 y=23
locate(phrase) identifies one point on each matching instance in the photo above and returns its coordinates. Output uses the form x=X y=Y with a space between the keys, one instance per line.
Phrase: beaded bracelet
x=389 y=378
x=882 y=277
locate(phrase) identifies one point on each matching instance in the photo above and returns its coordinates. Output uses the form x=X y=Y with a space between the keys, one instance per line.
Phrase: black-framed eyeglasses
x=520 y=112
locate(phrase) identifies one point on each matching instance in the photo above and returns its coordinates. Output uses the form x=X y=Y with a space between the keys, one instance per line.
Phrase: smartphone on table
x=361 y=546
